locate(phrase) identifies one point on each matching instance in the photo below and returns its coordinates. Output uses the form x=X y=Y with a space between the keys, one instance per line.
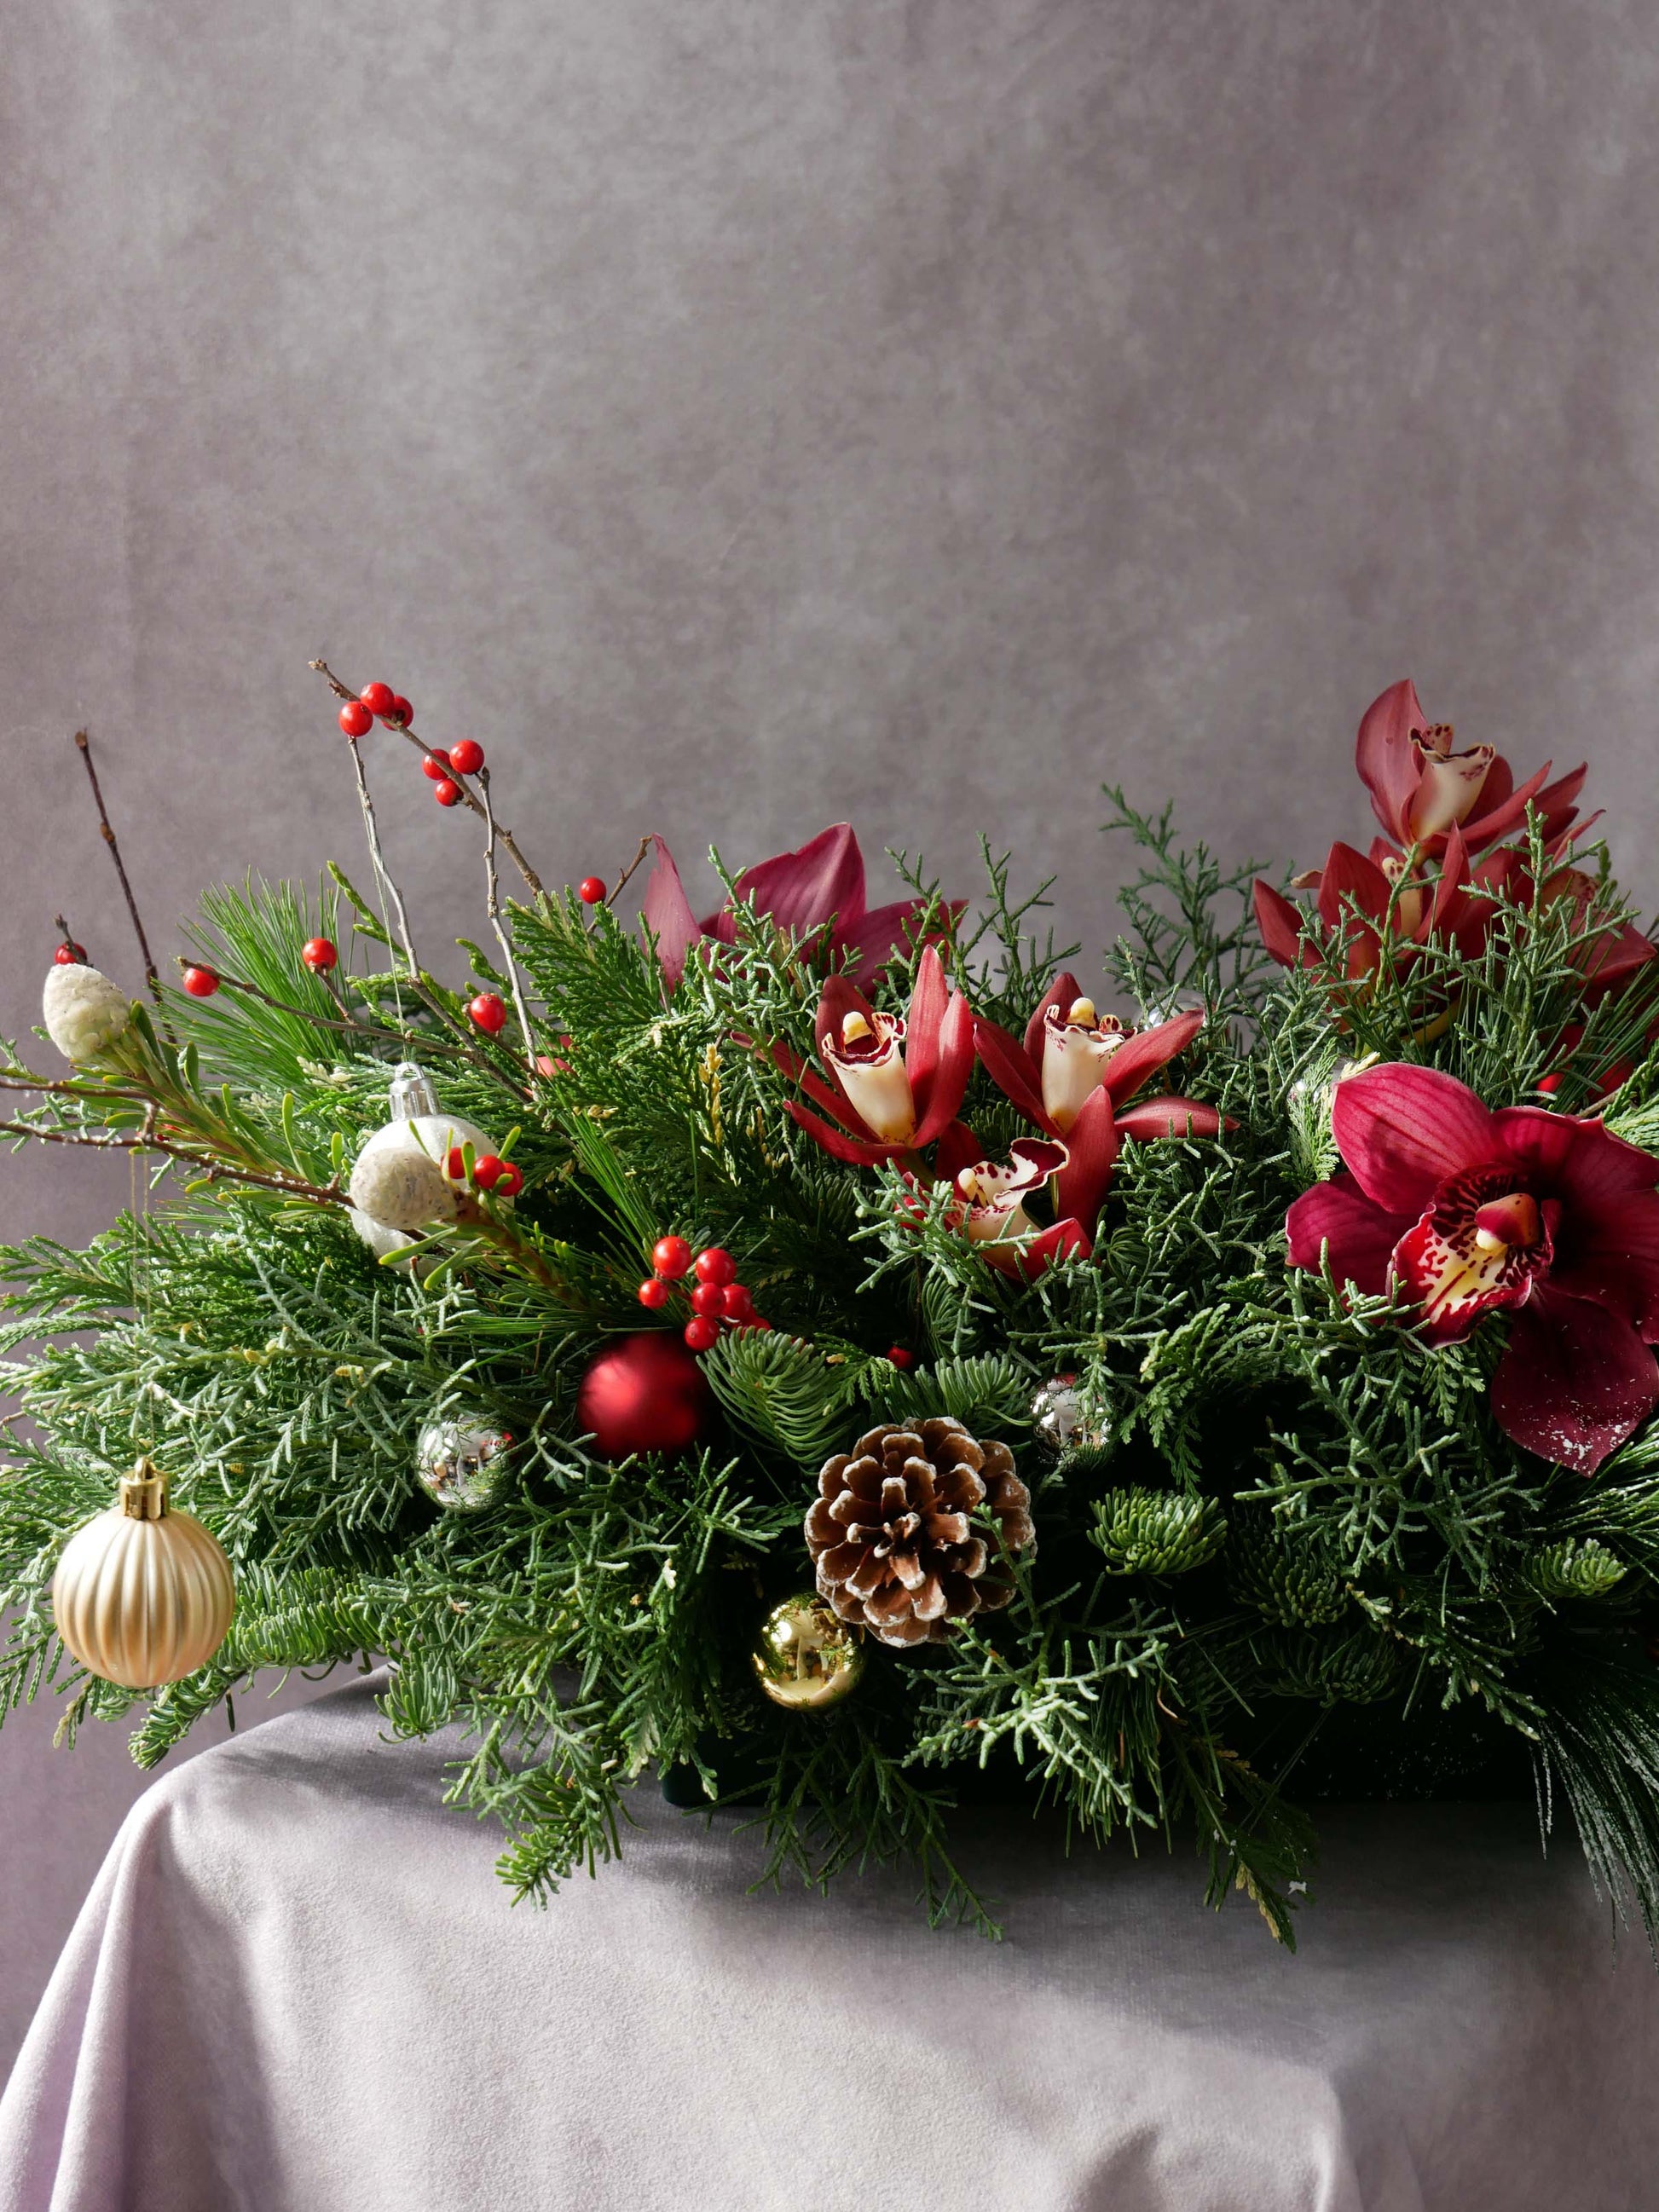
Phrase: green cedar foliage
x=1291 y=1513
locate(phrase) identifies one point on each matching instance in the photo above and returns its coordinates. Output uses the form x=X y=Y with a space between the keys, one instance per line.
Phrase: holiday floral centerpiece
x=853 y=1356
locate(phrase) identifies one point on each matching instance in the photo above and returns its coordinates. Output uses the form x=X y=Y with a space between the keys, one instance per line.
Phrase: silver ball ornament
x=1059 y=1418
x=459 y=1462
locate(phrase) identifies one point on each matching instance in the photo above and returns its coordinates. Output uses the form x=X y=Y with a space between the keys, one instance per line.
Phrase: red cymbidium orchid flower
x=992 y=1196
x=1075 y=1064
x=1376 y=900
x=897 y=1083
x=1421 y=790
x=1545 y=1216
x=816 y=894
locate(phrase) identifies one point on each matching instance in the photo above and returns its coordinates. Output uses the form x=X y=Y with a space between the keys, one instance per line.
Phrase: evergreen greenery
x=1295 y=1509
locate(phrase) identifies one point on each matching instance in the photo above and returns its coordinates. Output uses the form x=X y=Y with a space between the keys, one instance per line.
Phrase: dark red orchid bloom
x=816 y=894
x=1421 y=790
x=896 y=1084
x=1074 y=1062
x=1386 y=914
x=989 y=1205
x=1545 y=1216
x=1392 y=915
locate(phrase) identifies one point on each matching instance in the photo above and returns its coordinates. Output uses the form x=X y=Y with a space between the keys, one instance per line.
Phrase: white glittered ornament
x=401 y=1181
x=84 y=1013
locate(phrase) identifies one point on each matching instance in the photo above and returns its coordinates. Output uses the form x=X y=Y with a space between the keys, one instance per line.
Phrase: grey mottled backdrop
x=743 y=417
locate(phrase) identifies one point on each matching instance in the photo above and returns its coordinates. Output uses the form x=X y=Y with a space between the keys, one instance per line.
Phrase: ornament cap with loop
x=144 y=1491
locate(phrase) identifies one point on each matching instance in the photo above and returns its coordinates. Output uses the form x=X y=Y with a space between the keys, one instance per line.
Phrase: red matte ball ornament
x=319 y=954
x=466 y=756
x=356 y=720
x=379 y=698
x=200 y=982
x=644 y=1394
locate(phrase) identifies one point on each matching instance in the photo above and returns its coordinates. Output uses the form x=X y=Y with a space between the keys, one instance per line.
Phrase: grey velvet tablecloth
x=297 y=1987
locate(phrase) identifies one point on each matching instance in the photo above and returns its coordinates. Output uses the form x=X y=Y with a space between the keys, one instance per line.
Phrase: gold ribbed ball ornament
x=144 y=1594
x=806 y=1658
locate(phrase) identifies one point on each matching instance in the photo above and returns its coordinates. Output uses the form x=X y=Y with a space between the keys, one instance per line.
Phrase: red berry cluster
x=717 y=1295
x=499 y=1177
x=465 y=757
x=377 y=703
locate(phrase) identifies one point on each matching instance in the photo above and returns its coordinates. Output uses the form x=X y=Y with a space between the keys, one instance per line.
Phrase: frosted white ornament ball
x=84 y=1013
x=400 y=1187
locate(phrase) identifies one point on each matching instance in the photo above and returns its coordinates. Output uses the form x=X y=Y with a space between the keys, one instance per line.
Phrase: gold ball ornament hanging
x=807 y=1660
x=144 y=1594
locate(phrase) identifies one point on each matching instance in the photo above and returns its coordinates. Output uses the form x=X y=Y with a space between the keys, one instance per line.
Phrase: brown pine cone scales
x=890 y=1532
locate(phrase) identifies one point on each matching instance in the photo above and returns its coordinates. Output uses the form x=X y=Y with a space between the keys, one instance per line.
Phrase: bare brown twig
x=214 y=1170
x=84 y=742
x=493 y=906
x=407 y=730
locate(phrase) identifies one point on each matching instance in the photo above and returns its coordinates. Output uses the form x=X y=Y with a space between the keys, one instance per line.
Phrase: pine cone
x=890 y=1532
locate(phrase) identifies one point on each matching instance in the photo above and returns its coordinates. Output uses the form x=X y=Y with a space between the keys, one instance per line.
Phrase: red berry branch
x=717 y=1296
x=401 y=717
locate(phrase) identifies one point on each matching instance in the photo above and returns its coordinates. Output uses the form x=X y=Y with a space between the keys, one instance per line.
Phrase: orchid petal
x=666 y=912
x=1607 y=1245
x=1361 y=1236
x=956 y=1064
x=838 y=998
x=1011 y=1068
x=875 y=937
x=1402 y=1130
x=1063 y=993
x=1384 y=756
x=1280 y=925
x=1065 y=1240
x=802 y=891
x=958 y=1148
x=922 y=1023
x=856 y=1151
x=1140 y=1054
x=1091 y=1145
x=1352 y=882
x=1574 y=1381
x=1498 y=821
x=1169 y=1115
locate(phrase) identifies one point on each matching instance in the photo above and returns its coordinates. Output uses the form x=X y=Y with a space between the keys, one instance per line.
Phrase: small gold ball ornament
x=807 y=1659
x=144 y=1594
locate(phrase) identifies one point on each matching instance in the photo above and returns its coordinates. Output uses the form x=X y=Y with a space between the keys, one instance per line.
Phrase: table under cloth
x=297 y=1986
